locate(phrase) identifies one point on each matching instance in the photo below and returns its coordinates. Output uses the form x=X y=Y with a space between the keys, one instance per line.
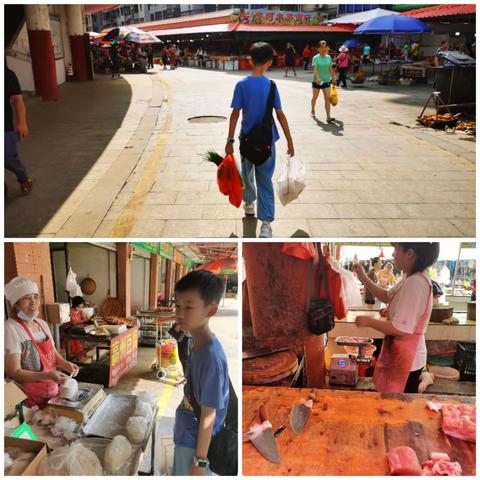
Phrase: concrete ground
x=119 y=158
x=226 y=326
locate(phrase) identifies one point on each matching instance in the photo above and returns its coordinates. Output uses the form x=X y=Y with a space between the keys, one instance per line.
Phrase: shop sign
x=149 y=247
x=178 y=257
x=165 y=250
x=123 y=355
x=276 y=17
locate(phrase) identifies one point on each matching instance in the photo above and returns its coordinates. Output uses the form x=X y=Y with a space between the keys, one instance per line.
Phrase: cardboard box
x=39 y=448
x=12 y=396
x=58 y=313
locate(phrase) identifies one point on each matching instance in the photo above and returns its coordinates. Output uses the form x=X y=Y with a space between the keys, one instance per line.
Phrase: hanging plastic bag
x=229 y=181
x=291 y=181
x=333 y=95
x=71 y=285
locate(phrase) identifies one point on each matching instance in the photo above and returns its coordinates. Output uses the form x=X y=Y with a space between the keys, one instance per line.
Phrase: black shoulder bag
x=320 y=316
x=256 y=145
x=223 y=449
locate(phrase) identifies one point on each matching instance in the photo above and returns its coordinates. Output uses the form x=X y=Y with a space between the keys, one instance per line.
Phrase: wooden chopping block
x=440 y=313
x=269 y=369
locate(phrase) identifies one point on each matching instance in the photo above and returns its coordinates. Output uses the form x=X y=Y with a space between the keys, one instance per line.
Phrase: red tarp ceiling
x=89 y=9
x=446 y=10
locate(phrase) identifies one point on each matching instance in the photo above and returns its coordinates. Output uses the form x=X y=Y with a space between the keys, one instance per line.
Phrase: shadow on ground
x=86 y=117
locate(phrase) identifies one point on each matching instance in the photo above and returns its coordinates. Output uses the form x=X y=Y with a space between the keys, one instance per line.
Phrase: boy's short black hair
x=427 y=253
x=208 y=285
x=76 y=301
x=375 y=260
x=261 y=53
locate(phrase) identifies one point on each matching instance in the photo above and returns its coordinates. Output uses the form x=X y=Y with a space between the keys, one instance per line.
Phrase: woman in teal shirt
x=323 y=77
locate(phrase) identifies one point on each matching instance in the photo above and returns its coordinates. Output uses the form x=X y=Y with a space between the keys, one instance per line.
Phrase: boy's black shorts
x=322 y=86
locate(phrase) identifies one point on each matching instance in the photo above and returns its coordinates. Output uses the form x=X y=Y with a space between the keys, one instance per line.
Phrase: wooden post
x=124 y=276
x=153 y=292
x=168 y=281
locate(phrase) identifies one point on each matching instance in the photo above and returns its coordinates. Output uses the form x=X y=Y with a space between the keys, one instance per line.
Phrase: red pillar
x=77 y=42
x=41 y=51
x=277 y=295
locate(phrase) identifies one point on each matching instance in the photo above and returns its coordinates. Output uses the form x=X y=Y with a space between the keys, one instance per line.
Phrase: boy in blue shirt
x=251 y=96
x=197 y=297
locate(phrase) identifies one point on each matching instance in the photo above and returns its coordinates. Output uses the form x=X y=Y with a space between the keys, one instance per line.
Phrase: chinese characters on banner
x=123 y=355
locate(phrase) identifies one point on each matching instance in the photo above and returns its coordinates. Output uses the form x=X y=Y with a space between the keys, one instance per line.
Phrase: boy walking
x=197 y=297
x=251 y=96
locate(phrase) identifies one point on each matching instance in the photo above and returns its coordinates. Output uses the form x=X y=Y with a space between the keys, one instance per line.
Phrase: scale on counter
x=344 y=366
x=82 y=406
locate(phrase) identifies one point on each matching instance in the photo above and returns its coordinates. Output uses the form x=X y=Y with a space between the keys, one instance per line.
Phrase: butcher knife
x=265 y=442
x=300 y=413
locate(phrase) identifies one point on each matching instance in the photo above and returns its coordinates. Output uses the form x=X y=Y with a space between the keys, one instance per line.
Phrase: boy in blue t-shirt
x=251 y=96
x=197 y=297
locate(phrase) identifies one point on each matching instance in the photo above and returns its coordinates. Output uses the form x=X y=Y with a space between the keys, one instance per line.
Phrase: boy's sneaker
x=266 y=230
x=249 y=208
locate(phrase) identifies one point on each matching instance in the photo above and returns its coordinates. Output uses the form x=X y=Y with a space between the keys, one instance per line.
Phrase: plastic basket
x=465 y=361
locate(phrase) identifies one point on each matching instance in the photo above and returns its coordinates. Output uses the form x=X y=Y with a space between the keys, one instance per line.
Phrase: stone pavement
x=374 y=174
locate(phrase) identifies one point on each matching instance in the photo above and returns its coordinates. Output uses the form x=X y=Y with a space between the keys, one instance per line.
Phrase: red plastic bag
x=229 y=181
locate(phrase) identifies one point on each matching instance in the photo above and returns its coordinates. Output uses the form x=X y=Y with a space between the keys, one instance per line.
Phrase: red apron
x=43 y=390
x=397 y=355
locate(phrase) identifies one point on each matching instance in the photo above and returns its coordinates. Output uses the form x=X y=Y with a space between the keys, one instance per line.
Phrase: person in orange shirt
x=385 y=276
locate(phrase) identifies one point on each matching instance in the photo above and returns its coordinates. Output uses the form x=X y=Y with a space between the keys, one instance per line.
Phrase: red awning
x=446 y=10
x=250 y=27
x=89 y=9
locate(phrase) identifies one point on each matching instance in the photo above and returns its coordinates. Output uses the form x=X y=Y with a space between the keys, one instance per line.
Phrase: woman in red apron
x=403 y=354
x=77 y=316
x=31 y=359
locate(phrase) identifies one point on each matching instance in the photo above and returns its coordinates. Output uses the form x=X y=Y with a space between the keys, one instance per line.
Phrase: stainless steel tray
x=110 y=418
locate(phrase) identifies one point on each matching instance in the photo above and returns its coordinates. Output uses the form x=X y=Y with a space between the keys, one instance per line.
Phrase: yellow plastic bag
x=333 y=95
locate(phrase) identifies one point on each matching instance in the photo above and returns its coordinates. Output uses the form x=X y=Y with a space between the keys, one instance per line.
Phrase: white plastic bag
x=71 y=285
x=291 y=181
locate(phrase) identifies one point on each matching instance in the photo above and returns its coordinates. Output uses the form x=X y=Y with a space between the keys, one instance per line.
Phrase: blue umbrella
x=392 y=24
x=352 y=43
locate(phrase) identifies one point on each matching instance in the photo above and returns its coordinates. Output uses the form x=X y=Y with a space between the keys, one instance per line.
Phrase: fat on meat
x=441 y=465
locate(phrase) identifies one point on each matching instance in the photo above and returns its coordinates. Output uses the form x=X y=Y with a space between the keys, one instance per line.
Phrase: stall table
x=121 y=359
x=349 y=432
x=463 y=332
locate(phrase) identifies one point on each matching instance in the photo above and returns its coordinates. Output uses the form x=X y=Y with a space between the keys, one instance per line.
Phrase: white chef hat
x=18 y=287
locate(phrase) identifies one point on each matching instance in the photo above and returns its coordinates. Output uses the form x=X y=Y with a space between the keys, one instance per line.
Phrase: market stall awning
x=224 y=266
x=89 y=9
x=447 y=10
x=250 y=27
x=361 y=17
x=219 y=28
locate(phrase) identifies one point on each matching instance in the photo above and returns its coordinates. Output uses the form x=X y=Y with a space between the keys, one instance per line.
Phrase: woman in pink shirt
x=343 y=65
x=403 y=356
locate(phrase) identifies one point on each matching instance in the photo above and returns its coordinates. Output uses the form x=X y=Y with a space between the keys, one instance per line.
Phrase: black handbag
x=256 y=145
x=223 y=449
x=320 y=315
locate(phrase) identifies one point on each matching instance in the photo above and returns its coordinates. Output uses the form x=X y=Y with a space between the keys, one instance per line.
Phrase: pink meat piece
x=440 y=465
x=403 y=461
x=460 y=421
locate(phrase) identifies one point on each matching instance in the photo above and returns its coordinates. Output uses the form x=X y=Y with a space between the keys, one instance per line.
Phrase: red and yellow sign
x=123 y=355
